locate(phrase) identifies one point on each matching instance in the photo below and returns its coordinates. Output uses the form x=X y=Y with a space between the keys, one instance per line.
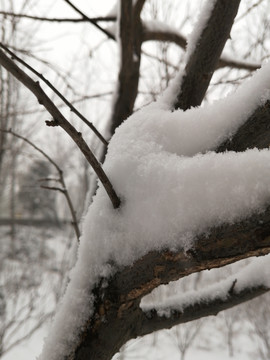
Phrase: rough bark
x=130 y=31
x=118 y=317
x=152 y=321
x=204 y=59
x=255 y=132
x=117 y=314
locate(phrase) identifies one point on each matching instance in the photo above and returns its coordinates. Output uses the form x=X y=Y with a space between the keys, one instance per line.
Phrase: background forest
x=46 y=185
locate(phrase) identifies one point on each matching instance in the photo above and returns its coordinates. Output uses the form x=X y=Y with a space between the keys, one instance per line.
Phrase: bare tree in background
x=28 y=264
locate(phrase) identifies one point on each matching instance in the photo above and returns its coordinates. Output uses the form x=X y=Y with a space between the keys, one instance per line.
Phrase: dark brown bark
x=130 y=32
x=255 y=132
x=152 y=321
x=118 y=317
x=204 y=60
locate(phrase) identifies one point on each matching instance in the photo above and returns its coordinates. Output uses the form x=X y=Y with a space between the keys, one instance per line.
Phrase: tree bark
x=130 y=32
x=204 y=59
x=118 y=317
x=255 y=132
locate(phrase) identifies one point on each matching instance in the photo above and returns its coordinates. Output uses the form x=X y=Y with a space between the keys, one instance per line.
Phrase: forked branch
x=60 y=120
x=49 y=84
x=198 y=308
x=110 y=36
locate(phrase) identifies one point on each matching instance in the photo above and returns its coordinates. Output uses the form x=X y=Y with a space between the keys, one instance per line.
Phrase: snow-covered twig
x=193 y=305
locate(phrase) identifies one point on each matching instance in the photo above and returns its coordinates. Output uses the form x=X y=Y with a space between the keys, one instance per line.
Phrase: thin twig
x=54 y=188
x=39 y=18
x=110 y=36
x=48 y=83
x=231 y=290
x=60 y=120
x=61 y=179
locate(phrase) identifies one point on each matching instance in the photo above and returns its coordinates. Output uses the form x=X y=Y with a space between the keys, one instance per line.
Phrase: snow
x=199 y=129
x=172 y=188
x=170 y=193
x=247 y=277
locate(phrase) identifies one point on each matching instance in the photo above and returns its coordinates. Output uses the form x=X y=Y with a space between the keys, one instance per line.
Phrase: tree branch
x=174 y=37
x=49 y=84
x=118 y=303
x=110 y=36
x=204 y=59
x=255 y=132
x=60 y=120
x=74 y=20
x=130 y=29
x=151 y=320
x=163 y=35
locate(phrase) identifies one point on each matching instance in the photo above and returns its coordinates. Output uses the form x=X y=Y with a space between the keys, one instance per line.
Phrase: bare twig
x=48 y=83
x=61 y=179
x=54 y=188
x=40 y=18
x=110 y=36
x=60 y=120
x=173 y=36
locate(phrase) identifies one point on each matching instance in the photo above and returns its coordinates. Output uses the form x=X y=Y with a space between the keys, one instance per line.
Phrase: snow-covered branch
x=254 y=132
x=236 y=289
x=211 y=210
x=118 y=303
x=185 y=207
x=203 y=52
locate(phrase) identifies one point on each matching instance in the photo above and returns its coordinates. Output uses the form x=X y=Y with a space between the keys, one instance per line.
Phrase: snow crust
x=248 y=277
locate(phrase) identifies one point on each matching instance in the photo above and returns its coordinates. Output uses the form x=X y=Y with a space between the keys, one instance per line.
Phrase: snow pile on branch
x=170 y=193
x=248 y=277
